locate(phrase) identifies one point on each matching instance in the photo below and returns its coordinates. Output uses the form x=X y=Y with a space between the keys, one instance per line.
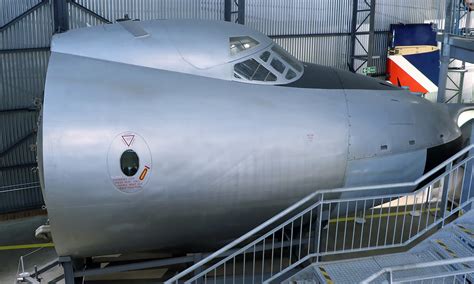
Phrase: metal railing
x=23 y=276
x=460 y=18
x=449 y=276
x=453 y=17
x=340 y=221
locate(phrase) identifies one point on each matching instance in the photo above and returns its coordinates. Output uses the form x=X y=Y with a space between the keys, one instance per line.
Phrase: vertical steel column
x=370 y=53
x=241 y=12
x=468 y=21
x=460 y=10
x=467 y=31
x=369 y=16
x=445 y=52
x=228 y=12
x=61 y=16
x=461 y=82
x=355 y=5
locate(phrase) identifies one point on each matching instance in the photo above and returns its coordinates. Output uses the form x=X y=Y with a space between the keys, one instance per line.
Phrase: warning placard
x=125 y=180
x=127 y=184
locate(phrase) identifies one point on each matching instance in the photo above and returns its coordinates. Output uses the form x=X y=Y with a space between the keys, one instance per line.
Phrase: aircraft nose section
x=453 y=140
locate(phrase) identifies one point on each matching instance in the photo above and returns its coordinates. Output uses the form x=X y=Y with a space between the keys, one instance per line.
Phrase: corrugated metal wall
x=323 y=26
x=10 y=9
x=23 y=59
x=313 y=30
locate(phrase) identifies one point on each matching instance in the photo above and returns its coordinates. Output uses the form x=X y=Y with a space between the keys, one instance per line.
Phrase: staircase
x=301 y=243
x=450 y=253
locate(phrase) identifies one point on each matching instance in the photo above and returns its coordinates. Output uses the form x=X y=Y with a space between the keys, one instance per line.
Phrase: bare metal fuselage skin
x=222 y=155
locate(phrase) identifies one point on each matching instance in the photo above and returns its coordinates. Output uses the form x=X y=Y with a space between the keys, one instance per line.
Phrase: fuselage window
x=287 y=57
x=241 y=43
x=278 y=65
x=264 y=56
x=129 y=163
x=263 y=74
x=290 y=74
x=252 y=70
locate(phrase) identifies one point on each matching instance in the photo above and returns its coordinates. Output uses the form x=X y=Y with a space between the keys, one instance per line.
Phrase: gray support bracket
x=134 y=266
x=66 y=263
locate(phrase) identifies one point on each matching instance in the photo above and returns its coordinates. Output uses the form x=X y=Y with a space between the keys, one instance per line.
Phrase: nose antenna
x=133 y=26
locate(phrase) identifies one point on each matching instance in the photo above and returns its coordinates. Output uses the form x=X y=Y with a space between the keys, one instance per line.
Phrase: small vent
x=384 y=147
x=411 y=142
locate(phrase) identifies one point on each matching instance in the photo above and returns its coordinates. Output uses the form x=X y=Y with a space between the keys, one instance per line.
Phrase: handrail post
x=317 y=240
x=198 y=257
x=467 y=190
x=444 y=197
x=22 y=264
x=390 y=276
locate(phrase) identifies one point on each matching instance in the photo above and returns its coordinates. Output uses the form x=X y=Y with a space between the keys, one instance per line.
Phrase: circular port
x=129 y=163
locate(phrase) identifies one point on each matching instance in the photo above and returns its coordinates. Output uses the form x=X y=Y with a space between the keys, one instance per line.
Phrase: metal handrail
x=416 y=266
x=454 y=13
x=403 y=244
x=309 y=197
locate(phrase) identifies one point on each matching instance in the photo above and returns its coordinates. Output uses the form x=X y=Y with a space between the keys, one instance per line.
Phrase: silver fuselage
x=223 y=155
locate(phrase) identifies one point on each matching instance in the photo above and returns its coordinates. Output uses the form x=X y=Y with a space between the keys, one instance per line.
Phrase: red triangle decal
x=128 y=139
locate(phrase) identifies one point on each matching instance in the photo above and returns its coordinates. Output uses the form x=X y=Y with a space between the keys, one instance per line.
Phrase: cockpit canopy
x=272 y=65
x=220 y=50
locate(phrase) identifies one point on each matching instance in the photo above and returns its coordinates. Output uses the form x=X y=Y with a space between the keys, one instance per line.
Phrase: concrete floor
x=19 y=232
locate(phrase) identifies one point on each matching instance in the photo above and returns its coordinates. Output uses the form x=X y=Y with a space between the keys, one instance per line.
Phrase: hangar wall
x=316 y=31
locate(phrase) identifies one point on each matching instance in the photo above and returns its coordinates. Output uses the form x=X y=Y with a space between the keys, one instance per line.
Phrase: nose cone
x=392 y=109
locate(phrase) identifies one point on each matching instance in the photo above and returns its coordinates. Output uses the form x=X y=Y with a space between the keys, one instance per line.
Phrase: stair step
x=453 y=241
x=340 y=272
x=465 y=233
x=355 y=271
x=451 y=247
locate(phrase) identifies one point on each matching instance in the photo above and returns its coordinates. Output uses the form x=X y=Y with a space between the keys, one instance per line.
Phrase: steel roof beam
x=22 y=15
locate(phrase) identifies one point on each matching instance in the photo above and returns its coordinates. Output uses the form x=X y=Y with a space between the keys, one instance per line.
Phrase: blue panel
x=412 y=34
x=427 y=63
